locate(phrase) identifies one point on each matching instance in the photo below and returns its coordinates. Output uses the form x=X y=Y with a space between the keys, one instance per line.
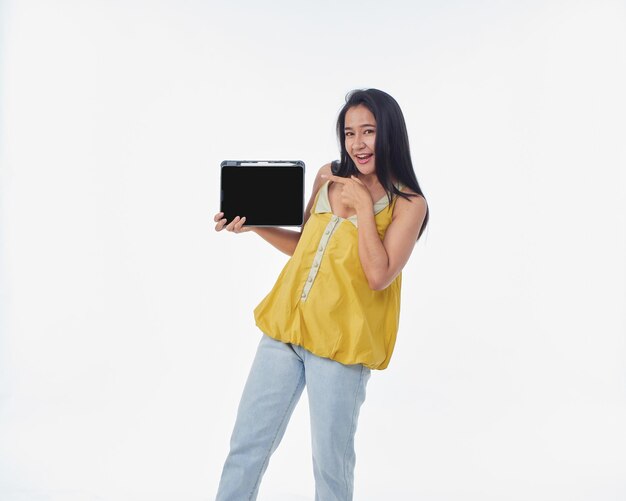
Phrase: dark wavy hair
x=392 y=153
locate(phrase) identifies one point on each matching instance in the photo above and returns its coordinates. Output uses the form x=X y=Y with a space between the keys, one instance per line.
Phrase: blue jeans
x=276 y=380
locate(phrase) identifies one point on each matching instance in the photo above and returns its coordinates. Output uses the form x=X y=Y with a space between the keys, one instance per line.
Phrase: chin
x=365 y=169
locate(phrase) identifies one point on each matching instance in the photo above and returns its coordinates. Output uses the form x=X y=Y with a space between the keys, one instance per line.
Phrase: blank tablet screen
x=266 y=193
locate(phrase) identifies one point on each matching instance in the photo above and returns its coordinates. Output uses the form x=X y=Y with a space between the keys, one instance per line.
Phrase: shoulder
x=319 y=180
x=317 y=184
x=414 y=209
x=325 y=169
x=407 y=219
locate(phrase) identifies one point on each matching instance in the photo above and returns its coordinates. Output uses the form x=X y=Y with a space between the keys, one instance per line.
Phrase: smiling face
x=360 y=138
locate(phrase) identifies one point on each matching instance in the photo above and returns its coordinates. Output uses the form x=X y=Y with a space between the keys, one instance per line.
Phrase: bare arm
x=284 y=240
x=383 y=260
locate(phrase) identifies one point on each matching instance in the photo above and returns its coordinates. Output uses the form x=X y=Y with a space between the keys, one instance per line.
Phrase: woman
x=333 y=314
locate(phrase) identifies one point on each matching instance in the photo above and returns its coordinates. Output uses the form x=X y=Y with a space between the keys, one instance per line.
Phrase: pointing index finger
x=334 y=178
x=356 y=179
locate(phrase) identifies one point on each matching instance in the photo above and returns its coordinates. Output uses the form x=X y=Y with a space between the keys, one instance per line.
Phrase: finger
x=356 y=179
x=220 y=225
x=232 y=224
x=218 y=216
x=334 y=178
x=240 y=224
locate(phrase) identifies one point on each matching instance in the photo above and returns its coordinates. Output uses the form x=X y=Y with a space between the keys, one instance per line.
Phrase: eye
x=370 y=131
x=348 y=133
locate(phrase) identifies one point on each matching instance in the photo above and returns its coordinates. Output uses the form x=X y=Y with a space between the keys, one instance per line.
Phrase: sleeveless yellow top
x=322 y=300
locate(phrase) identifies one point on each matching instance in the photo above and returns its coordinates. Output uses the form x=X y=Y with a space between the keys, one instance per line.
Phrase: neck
x=371 y=180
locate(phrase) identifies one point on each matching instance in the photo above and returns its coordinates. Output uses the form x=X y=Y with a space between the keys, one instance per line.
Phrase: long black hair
x=392 y=153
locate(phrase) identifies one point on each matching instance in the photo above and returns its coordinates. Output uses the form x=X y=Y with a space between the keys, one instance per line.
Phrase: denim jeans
x=274 y=385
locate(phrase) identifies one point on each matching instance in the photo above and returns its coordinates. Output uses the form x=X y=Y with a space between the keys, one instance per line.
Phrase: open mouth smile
x=363 y=158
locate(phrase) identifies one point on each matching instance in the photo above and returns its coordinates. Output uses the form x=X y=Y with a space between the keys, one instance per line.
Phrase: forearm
x=374 y=258
x=284 y=240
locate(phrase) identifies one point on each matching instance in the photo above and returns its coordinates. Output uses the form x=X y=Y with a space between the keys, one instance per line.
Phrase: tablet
x=266 y=192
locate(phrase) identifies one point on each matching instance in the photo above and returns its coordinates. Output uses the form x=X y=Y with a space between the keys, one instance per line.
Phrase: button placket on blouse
x=317 y=260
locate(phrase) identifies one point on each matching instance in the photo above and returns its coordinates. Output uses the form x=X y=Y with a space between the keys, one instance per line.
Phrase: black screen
x=265 y=195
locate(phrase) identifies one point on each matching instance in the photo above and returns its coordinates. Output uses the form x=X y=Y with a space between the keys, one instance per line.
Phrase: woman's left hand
x=353 y=192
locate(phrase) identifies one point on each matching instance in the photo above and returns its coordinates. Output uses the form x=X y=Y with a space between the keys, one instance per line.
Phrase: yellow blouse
x=322 y=300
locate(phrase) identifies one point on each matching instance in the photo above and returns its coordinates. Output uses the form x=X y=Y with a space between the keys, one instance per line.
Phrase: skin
x=382 y=260
x=236 y=225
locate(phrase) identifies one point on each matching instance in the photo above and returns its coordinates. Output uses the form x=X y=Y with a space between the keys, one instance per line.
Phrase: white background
x=126 y=320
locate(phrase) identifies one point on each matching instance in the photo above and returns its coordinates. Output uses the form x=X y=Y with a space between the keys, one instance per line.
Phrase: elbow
x=378 y=287
x=378 y=278
x=376 y=284
x=293 y=248
x=380 y=282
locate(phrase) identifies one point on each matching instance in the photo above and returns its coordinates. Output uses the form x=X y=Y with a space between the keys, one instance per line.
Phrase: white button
x=321 y=248
x=315 y=264
x=327 y=232
x=303 y=295
x=310 y=279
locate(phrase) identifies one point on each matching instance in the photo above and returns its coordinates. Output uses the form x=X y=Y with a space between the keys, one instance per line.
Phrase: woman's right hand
x=236 y=225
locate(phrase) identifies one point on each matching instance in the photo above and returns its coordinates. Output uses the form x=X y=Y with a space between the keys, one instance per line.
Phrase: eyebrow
x=364 y=125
